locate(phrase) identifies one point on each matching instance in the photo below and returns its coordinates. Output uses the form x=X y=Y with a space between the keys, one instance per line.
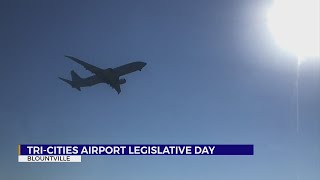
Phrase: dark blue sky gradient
x=214 y=76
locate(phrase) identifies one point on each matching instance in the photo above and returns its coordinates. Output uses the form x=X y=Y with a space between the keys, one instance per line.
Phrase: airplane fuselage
x=109 y=76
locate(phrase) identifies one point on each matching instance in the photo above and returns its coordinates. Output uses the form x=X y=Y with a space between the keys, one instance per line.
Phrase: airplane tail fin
x=75 y=76
x=71 y=83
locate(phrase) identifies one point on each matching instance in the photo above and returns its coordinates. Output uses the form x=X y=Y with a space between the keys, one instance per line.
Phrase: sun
x=295 y=26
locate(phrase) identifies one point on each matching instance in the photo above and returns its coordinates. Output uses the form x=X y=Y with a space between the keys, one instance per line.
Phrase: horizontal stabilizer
x=70 y=83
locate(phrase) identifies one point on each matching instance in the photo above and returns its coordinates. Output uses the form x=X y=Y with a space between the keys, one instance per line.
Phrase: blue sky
x=214 y=76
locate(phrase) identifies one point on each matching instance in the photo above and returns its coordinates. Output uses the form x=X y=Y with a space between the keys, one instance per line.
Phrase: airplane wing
x=87 y=66
x=116 y=87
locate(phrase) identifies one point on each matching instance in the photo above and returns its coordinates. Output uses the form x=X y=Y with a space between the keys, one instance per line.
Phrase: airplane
x=110 y=76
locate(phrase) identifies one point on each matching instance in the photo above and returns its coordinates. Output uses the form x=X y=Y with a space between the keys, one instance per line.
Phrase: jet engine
x=122 y=81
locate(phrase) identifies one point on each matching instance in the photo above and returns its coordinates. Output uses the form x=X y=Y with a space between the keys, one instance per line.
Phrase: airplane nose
x=142 y=65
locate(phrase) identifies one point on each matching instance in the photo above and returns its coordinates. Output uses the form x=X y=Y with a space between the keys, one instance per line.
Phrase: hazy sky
x=214 y=76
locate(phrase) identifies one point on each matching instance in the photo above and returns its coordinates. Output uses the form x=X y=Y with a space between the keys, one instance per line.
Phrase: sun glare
x=295 y=26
